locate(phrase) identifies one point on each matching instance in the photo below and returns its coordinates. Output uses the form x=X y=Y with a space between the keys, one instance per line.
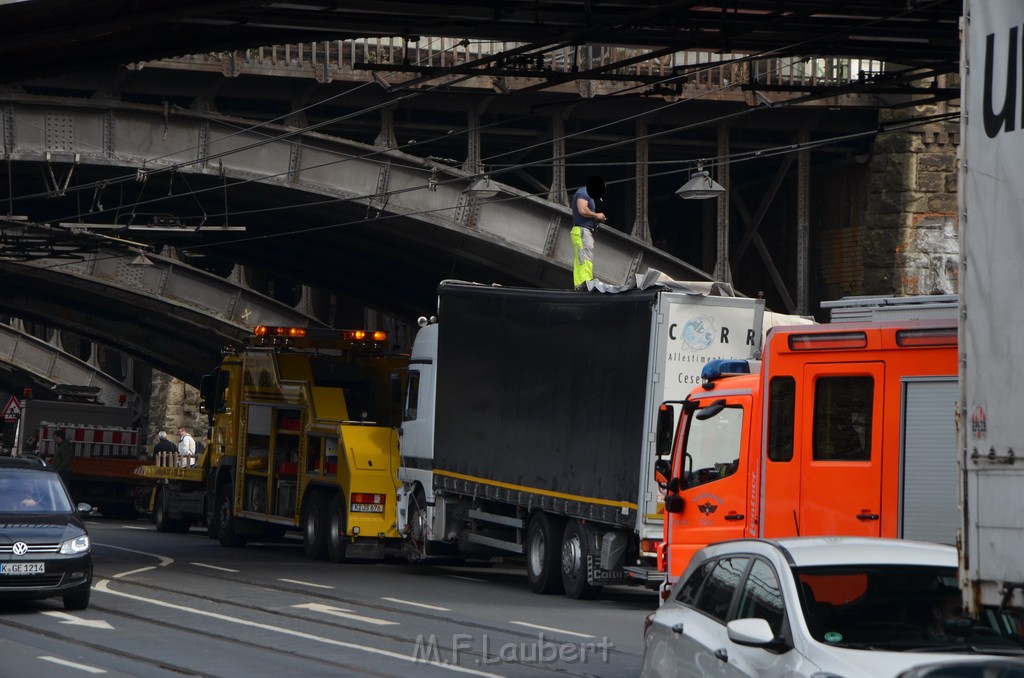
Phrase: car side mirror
x=84 y=509
x=750 y=632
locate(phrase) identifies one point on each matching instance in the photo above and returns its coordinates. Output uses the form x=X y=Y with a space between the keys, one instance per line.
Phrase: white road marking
x=141 y=569
x=103 y=586
x=81 y=667
x=342 y=612
x=306 y=583
x=423 y=605
x=214 y=567
x=136 y=527
x=553 y=630
x=78 y=621
x=458 y=576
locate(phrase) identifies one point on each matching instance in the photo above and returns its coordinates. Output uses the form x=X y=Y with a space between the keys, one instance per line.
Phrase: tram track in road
x=472 y=656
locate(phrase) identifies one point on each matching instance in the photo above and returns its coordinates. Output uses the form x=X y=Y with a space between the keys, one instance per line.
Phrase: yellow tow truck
x=301 y=438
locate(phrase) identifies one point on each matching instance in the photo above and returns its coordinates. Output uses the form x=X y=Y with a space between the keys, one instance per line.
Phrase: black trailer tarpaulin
x=543 y=390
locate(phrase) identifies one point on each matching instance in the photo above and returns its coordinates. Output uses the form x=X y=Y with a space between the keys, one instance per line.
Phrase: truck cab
x=844 y=429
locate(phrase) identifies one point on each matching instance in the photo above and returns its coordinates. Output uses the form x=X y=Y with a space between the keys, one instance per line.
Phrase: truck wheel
x=577 y=545
x=543 y=555
x=336 y=541
x=210 y=515
x=164 y=523
x=314 y=526
x=225 y=519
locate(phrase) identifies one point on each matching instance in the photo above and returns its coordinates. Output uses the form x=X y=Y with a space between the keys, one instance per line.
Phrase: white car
x=818 y=606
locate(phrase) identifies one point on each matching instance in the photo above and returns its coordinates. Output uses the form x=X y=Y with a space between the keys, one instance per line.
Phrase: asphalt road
x=182 y=605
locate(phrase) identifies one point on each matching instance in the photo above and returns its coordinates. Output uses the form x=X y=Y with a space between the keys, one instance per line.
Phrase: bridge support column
x=641 y=226
x=723 y=272
x=803 y=224
x=558 y=192
x=386 y=137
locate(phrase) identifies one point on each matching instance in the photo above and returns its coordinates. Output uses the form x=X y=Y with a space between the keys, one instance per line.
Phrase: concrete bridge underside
x=378 y=227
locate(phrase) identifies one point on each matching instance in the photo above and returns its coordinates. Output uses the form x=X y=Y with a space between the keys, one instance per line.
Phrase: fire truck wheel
x=314 y=526
x=543 y=553
x=226 y=519
x=577 y=546
x=336 y=541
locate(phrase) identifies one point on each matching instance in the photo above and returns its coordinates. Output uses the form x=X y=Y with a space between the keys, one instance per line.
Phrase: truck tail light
x=649 y=547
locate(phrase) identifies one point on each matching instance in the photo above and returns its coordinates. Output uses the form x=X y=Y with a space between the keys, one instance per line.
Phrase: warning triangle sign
x=12 y=410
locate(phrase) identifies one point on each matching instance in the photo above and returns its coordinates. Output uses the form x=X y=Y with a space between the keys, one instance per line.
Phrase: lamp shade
x=483 y=188
x=700 y=187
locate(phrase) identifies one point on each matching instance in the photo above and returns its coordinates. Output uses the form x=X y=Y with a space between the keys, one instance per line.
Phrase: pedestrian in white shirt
x=186 y=448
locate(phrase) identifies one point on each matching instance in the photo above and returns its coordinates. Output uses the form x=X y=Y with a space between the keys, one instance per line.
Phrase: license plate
x=22 y=568
x=368 y=508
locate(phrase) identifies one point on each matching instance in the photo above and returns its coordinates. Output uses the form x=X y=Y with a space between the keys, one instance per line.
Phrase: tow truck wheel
x=337 y=543
x=314 y=526
x=164 y=523
x=543 y=553
x=225 y=518
x=576 y=547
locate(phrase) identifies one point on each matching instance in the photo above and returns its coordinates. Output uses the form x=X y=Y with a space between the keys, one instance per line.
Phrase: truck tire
x=337 y=544
x=544 y=553
x=314 y=526
x=162 y=519
x=577 y=545
x=225 y=519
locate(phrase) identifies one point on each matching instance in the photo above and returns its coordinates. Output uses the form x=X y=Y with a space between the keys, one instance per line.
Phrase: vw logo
x=20 y=548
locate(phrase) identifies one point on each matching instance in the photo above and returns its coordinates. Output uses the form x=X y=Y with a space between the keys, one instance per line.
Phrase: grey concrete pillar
x=641 y=225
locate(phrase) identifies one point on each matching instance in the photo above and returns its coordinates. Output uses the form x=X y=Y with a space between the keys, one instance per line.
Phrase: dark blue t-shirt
x=577 y=218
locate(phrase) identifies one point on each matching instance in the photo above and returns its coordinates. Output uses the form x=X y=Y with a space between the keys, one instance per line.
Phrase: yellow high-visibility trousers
x=583 y=255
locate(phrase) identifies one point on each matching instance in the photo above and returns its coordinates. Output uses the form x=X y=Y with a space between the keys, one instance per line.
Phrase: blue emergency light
x=716 y=369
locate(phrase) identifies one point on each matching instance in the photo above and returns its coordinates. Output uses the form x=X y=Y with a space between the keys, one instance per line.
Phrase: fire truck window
x=714 y=597
x=781 y=418
x=761 y=597
x=842 y=418
x=714 y=446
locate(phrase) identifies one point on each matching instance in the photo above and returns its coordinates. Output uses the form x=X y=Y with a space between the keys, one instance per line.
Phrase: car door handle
x=734 y=516
x=867 y=516
x=722 y=654
x=677 y=628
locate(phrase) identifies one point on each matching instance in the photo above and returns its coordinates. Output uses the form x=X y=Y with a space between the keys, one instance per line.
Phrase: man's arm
x=583 y=207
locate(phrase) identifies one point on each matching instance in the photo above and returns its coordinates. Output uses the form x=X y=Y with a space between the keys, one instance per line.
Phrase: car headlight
x=76 y=545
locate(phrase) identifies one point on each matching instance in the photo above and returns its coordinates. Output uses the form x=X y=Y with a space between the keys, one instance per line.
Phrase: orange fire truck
x=843 y=429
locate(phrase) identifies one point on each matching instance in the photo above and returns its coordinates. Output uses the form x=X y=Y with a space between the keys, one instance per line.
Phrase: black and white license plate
x=368 y=508
x=22 y=568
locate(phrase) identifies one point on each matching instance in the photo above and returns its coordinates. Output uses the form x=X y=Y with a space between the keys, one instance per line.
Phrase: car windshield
x=28 y=491
x=894 y=607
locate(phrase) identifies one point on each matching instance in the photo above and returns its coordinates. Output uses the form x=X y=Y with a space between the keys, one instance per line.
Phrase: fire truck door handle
x=734 y=516
x=867 y=516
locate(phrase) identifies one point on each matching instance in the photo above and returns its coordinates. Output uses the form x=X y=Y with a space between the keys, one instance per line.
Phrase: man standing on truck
x=585 y=218
x=186 y=448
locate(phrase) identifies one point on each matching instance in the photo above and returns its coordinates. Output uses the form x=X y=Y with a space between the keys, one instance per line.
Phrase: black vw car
x=45 y=551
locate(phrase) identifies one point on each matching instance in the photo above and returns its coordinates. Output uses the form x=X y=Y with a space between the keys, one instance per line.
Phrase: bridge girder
x=380 y=227
x=170 y=315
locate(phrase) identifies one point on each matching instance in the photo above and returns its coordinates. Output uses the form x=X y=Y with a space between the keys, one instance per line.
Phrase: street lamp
x=483 y=188
x=700 y=187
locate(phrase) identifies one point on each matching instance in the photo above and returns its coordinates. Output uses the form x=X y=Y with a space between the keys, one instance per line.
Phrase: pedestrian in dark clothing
x=62 y=457
x=163 y=445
